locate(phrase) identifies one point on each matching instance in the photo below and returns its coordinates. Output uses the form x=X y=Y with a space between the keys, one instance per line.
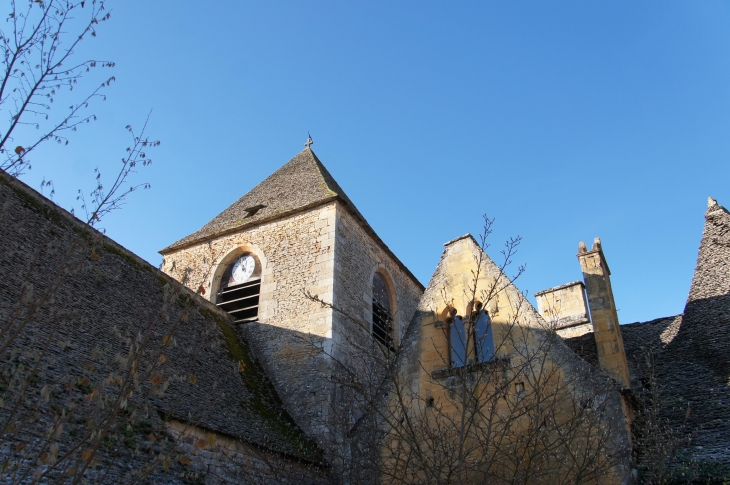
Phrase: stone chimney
x=606 y=330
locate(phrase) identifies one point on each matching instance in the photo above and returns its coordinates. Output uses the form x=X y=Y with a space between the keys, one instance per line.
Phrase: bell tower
x=294 y=236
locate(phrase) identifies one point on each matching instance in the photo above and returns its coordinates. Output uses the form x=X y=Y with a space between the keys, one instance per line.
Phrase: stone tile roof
x=118 y=290
x=300 y=184
x=687 y=357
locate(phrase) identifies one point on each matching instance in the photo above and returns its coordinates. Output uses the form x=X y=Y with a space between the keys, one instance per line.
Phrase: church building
x=296 y=236
x=284 y=342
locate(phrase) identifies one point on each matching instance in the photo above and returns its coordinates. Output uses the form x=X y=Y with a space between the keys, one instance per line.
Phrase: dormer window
x=382 y=318
x=251 y=211
x=240 y=288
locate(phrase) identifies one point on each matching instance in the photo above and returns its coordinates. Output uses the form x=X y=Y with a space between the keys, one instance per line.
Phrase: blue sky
x=563 y=120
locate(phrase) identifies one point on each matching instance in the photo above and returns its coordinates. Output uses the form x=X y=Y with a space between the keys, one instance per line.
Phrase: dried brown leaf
x=156 y=378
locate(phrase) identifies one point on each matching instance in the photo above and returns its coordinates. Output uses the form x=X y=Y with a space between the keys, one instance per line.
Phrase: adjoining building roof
x=684 y=361
x=302 y=184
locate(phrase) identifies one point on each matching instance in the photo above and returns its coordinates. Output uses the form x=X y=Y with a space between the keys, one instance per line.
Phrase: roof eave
x=265 y=220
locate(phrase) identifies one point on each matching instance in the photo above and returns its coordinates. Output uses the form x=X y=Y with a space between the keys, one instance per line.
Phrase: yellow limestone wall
x=606 y=329
x=518 y=331
x=565 y=308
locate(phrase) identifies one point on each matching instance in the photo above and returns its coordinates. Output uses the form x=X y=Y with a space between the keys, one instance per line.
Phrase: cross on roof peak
x=309 y=141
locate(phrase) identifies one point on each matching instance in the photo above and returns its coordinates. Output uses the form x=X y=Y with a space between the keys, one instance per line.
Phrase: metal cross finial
x=309 y=141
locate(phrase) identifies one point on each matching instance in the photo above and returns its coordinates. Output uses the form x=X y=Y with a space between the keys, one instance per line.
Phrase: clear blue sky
x=564 y=120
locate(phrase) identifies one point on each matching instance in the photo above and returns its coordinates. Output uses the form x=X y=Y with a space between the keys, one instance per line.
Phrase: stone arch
x=231 y=254
x=390 y=286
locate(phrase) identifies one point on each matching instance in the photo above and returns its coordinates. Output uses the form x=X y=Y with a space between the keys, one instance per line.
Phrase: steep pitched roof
x=300 y=184
x=685 y=360
x=231 y=394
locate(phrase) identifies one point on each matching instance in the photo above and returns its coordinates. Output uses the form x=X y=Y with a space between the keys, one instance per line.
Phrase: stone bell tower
x=293 y=236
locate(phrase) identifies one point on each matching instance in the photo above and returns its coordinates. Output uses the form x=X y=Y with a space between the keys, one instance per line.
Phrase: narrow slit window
x=240 y=289
x=382 y=318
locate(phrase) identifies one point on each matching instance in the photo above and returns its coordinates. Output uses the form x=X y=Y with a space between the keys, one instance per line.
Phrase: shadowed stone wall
x=297 y=254
x=85 y=301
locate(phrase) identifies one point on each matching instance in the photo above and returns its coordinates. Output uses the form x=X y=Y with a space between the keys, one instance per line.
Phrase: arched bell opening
x=384 y=328
x=240 y=288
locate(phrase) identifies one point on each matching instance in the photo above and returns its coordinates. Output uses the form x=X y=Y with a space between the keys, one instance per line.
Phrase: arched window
x=483 y=336
x=382 y=318
x=471 y=340
x=240 y=288
x=458 y=341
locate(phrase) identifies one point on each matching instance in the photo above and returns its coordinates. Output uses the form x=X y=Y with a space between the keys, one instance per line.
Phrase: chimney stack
x=606 y=330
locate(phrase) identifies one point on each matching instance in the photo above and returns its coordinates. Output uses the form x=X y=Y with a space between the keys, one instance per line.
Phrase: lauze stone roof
x=301 y=184
x=684 y=361
x=108 y=298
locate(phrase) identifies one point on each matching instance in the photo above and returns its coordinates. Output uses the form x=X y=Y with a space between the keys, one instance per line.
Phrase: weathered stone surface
x=604 y=317
x=524 y=342
x=103 y=298
x=564 y=307
x=357 y=258
x=309 y=240
x=682 y=363
x=297 y=255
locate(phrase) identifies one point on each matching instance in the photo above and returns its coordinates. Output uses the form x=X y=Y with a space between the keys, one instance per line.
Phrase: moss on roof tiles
x=122 y=291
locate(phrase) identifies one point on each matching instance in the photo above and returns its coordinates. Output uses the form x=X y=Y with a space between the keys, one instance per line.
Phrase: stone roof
x=116 y=290
x=687 y=357
x=301 y=184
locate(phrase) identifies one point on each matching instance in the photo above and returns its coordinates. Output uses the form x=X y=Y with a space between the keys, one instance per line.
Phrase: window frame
x=471 y=345
x=385 y=324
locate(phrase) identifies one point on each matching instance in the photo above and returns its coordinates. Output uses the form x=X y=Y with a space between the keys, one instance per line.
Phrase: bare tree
x=516 y=410
x=659 y=442
x=39 y=68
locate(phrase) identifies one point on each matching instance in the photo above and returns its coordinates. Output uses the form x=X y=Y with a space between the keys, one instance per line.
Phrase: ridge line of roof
x=371 y=232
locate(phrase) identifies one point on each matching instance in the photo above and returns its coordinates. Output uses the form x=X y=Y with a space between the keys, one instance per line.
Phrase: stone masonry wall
x=521 y=342
x=297 y=254
x=357 y=258
x=225 y=460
